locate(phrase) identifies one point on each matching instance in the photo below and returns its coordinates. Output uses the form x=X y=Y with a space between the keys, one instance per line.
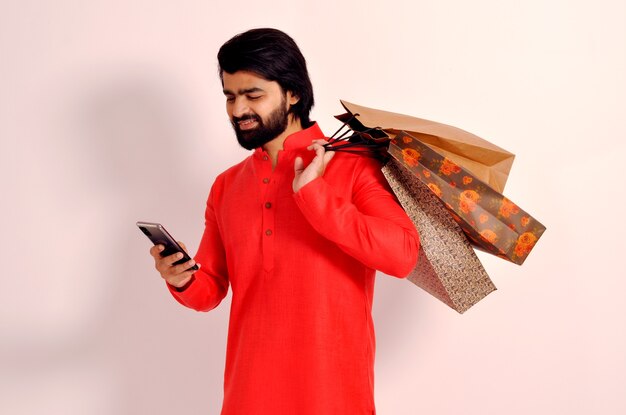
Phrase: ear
x=292 y=99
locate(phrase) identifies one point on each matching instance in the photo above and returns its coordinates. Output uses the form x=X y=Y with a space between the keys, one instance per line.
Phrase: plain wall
x=112 y=112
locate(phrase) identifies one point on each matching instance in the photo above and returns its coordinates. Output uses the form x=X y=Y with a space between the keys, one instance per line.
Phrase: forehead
x=240 y=81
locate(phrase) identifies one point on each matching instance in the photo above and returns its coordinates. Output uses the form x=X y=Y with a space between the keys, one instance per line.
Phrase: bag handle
x=359 y=142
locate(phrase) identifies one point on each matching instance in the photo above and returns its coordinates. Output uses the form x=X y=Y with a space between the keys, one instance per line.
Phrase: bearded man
x=298 y=238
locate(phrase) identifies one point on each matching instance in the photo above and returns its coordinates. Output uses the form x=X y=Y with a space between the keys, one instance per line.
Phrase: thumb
x=182 y=245
x=298 y=165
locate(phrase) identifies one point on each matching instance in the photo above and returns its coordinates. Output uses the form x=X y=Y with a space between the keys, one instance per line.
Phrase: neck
x=273 y=147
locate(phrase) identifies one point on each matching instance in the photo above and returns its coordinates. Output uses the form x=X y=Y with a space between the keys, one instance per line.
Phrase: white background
x=112 y=112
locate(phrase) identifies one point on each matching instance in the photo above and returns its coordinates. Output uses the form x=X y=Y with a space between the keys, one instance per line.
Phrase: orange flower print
x=394 y=141
x=448 y=167
x=512 y=226
x=508 y=208
x=525 y=244
x=467 y=180
x=453 y=184
x=466 y=207
x=411 y=156
x=489 y=235
x=426 y=173
x=467 y=200
x=525 y=220
x=483 y=218
x=406 y=139
x=527 y=238
x=435 y=189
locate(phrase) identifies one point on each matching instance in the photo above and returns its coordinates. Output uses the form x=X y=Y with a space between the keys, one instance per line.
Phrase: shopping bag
x=447 y=266
x=484 y=160
x=490 y=220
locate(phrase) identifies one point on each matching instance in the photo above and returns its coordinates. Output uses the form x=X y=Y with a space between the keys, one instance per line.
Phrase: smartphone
x=160 y=236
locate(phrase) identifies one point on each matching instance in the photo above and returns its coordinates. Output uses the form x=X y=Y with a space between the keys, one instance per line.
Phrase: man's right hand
x=175 y=275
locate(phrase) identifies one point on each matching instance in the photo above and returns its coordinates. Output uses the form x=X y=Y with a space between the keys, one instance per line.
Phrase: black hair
x=273 y=55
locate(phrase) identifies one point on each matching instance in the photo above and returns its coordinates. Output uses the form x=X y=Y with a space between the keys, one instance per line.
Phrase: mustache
x=252 y=117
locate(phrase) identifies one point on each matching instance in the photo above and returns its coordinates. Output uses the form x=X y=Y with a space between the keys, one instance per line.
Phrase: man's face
x=258 y=108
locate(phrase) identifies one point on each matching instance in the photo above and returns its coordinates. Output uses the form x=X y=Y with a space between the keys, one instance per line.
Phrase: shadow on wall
x=100 y=154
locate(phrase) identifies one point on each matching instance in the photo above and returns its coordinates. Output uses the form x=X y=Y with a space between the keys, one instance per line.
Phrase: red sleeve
x=371 y=226
x=210 y=282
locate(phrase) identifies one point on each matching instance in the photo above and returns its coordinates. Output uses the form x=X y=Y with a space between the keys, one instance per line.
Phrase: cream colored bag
x=447 y=266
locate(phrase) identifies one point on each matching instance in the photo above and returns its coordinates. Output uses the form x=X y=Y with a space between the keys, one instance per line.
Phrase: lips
x=247 y=124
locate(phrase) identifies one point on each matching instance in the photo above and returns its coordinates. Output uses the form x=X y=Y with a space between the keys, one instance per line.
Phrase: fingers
x=182 y=245
x=182 y=268
x=319 y=142
x=320 y=152
x=315 y=169
x=156 y=250
x=318 y=147
x=175 y=274
x=164 y=263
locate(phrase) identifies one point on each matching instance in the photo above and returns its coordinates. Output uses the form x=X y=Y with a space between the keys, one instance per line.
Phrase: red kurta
x=301 y=267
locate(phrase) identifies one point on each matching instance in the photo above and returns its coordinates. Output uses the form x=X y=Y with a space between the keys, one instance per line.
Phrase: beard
x=266 y=130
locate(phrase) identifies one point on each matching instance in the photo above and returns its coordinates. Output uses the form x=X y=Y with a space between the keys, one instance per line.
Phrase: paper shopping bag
x=484 y=160
x=491 y=221
x=447 y=266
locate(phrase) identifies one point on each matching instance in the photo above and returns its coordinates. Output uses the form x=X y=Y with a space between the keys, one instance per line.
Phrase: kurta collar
x=300 y=139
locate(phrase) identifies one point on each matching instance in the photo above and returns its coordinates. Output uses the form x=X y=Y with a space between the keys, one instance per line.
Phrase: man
x=298 y=238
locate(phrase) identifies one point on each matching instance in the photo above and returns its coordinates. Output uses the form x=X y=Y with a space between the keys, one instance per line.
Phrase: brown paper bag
x=485 y=160
x=447 y=266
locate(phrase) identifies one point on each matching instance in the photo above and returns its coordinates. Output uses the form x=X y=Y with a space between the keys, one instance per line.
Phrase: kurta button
x=266 y=180
x=268 y=232
x=265 y=158
x=268 y=205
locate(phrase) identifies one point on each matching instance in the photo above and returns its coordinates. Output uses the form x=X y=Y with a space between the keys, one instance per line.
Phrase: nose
x=239 y=107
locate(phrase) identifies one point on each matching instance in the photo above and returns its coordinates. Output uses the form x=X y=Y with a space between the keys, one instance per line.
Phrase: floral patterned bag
x=491 y=222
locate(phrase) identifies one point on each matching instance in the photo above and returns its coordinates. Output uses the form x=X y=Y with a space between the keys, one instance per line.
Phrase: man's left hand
x=315 y=169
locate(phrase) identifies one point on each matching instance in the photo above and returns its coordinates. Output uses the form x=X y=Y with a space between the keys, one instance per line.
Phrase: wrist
x=183 y=285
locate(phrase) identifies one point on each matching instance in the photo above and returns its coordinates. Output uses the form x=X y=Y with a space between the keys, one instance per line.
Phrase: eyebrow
x=243 y=91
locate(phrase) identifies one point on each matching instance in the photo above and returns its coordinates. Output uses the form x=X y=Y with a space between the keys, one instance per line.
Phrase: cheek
x=258 y=110
x=269 y=106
